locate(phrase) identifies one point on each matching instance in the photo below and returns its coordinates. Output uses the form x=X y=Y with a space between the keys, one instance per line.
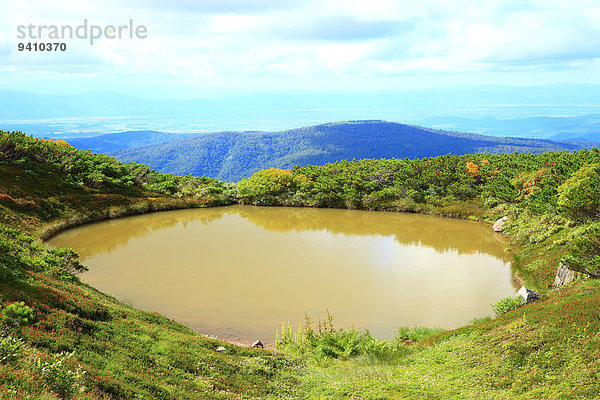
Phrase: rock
x=528 y=295
x=499 y=225
x=221 y=348
x=563 y=276
x=258 y=344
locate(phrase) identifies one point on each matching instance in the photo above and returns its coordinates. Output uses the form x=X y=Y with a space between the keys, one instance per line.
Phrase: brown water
x=238 y=272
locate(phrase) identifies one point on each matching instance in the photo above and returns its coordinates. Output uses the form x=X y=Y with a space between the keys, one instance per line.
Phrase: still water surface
x=238 y=272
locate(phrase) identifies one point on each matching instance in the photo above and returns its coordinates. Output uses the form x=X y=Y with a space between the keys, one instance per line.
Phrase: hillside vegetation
x=235 y=155
x=61 y=338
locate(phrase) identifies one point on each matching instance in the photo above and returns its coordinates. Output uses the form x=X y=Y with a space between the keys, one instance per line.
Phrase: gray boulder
x=528 y=295
x=258 y=344
x=499 y=225
x=221 y=349
x=563 y=276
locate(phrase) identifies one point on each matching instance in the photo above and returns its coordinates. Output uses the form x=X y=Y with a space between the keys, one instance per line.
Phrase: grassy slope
x=43 y=202
x=545 y=350
x=126 y=353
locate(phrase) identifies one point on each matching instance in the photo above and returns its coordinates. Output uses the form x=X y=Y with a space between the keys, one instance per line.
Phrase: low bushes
x=507 y=304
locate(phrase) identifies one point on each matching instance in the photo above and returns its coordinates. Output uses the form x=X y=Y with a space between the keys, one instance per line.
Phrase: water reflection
x=109 y=235
x=238 y=272
x=411 y=229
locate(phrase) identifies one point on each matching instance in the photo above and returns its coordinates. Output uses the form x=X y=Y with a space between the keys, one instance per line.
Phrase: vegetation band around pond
x=62 y=339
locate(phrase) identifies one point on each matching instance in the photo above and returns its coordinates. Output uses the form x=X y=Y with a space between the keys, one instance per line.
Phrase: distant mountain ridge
x=580 y=128
x=112 y=142
x=236 y=155
x=533 y=112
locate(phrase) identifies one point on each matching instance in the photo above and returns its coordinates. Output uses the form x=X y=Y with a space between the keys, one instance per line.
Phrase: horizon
x=220 y=92
x=491 y=109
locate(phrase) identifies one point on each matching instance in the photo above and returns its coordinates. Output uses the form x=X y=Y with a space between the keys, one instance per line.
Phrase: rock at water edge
x=528 y=295
x=499 y=225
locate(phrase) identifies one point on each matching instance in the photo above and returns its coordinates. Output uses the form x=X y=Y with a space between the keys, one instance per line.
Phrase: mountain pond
x=239 y=272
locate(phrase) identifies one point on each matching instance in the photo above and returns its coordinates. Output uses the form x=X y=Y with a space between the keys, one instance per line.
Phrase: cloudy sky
x=193 y=46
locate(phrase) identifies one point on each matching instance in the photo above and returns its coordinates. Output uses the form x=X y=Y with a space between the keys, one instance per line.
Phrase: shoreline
x=53 y=231
x=49 y=230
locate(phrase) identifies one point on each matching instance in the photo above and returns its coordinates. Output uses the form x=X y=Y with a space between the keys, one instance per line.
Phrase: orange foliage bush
x=472 y=168
x=57 y=141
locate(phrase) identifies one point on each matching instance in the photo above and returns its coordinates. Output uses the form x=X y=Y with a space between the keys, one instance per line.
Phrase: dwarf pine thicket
x=62 y=338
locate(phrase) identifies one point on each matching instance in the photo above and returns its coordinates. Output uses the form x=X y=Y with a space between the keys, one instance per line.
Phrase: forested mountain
x=236 y=155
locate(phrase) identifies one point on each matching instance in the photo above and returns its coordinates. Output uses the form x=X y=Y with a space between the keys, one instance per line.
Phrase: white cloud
x=237 y=41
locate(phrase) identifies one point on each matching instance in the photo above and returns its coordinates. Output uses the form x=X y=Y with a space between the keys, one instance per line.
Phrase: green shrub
x=507 y=304
x=328 y=343
x=17 y=314
x=265 y=186
x=63 y=379
x=579 y=196
x=63 y=262
x=584 y=250
x=10 y=349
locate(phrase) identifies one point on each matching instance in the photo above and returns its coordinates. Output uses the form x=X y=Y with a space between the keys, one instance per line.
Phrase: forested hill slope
x=236 y=155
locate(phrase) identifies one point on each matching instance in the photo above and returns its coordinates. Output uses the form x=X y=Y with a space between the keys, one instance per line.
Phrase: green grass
x=129 y=353
x=545 y=350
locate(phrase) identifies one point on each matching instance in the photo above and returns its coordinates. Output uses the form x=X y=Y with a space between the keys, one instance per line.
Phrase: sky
x=216 y=47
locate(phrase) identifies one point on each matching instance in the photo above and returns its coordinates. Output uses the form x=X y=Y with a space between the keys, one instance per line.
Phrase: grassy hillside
x=68 y=340
x=236 y=155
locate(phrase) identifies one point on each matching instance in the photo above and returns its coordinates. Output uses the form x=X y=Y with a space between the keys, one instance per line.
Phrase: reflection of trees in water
x=442 y=234
x=108 y=235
